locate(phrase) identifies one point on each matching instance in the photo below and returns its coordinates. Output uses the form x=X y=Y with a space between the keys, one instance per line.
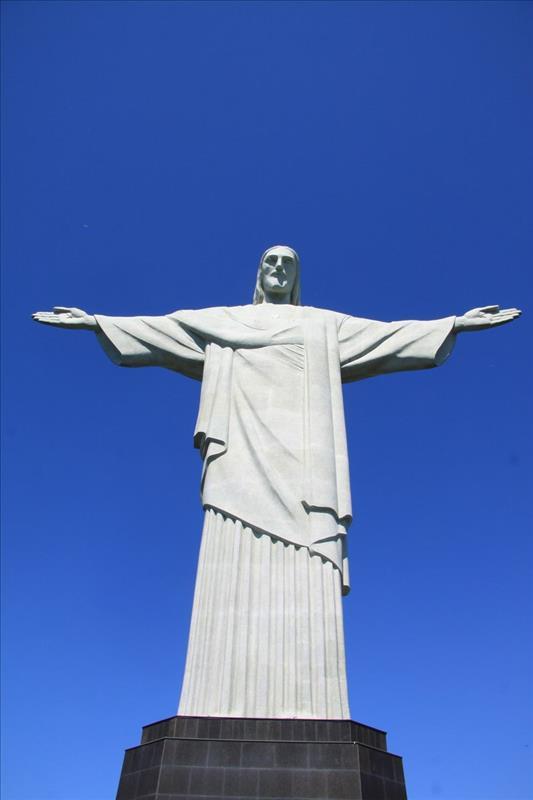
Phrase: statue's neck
x=278 y=299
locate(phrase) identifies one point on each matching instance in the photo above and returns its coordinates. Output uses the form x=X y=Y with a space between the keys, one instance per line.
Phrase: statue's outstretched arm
x=63 y=317
x=477 y=319
x=139 y=341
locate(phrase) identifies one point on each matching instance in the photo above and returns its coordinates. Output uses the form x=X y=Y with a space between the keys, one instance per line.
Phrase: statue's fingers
x=515 y=311
x=50 y=319
x=505 y=314
x=501 y=321
x=490 y=309
x=48 y=315
x=502 y=318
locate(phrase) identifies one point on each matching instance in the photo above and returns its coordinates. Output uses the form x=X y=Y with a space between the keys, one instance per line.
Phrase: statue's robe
x=266 y=634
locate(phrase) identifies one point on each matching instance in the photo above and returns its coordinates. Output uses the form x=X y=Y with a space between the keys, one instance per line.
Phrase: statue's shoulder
x=208 y=311
x=214 y=316
x=324 y=314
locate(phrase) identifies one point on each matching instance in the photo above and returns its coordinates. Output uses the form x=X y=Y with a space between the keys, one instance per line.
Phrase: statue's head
x=278 y=274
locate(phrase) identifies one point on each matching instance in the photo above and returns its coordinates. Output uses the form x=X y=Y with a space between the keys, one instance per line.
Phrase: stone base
x=214 y=757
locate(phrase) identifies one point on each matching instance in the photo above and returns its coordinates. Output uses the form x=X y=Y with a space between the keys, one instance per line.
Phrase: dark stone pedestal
x=213 y=757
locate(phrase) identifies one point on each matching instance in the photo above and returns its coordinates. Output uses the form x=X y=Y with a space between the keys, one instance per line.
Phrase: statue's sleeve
x=368 y=347
x=152 y=342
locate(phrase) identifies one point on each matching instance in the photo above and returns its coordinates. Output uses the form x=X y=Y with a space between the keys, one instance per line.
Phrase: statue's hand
x=477 y=319
x=63 y=317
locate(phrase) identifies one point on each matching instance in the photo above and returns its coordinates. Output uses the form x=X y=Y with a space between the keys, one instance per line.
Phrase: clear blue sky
x=152 y=150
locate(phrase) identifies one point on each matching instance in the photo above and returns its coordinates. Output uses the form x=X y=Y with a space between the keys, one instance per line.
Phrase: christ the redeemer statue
x=266 y=637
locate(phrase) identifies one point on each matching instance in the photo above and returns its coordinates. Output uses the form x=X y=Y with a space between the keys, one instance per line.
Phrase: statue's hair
x=259 y=295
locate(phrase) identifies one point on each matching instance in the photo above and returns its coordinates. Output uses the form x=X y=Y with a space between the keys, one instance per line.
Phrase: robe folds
x=245 y=357
x=271 y=434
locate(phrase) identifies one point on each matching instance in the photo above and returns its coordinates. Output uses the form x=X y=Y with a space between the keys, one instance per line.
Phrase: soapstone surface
x=266 y=636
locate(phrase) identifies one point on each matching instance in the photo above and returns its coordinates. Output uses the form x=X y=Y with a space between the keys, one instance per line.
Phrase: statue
x=266 y=637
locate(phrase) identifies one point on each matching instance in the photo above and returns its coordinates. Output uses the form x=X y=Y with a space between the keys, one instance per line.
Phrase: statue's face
x=278 y=271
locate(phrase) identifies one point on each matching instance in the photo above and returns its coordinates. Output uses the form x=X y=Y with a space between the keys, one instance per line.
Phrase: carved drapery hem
x=266 y=636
